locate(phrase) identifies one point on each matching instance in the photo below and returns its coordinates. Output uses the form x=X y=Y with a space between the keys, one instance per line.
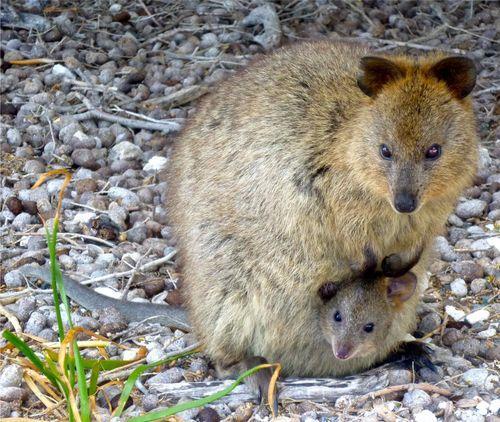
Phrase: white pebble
x=477 y=316
x=494 y=241
x=495 y=406
x=61 y=70
x=424 y=416
x=84 y=217
x=458 y=287
x=490 y=332
x=155 y=164
x=455 y=313
x=482 y=407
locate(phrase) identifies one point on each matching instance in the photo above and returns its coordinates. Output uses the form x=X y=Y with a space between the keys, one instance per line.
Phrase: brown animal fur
x=276 y=185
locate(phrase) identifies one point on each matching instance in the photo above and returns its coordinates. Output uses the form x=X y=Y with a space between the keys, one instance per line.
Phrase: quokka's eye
x=385 y=152
x=337 y=317
x=433 y=152
x=368 y=328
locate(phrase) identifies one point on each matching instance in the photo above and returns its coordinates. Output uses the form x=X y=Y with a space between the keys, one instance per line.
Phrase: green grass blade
x=129 y=385
x=53 y=377
x=94 y=375
x=82 y=385
x=51 y=244
x=165 y=413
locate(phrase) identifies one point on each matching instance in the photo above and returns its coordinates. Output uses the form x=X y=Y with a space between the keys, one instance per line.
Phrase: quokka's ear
x=327 y=291
x=400 y=289
x=459 y=74
x=376 y=72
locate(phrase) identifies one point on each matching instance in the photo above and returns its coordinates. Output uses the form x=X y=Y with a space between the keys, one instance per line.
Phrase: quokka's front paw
x=414 y=354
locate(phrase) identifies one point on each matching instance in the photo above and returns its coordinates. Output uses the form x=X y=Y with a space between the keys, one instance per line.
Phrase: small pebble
x=424 y=416
x=14 y=279
x=468 y=347
x=471 y=208
x=455 y=313
x=445 y=250
x=36 y=322
x=459 y=287
x=477 y=316
x=476 y=377
x=417 y=399
x=11 y=376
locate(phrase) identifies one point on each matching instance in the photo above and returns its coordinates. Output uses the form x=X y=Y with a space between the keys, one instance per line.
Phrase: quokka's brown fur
x=277 y=184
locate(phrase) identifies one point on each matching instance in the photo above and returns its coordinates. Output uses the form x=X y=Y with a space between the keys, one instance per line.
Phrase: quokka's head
x=356 y=315
x=418 y=141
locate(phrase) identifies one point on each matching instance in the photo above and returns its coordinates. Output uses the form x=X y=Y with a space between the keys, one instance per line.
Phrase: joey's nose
x=343 y=352
x=405 y=202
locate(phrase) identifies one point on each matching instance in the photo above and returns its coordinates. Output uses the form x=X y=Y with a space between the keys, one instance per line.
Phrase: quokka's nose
x=343 y=352
x=405 y=202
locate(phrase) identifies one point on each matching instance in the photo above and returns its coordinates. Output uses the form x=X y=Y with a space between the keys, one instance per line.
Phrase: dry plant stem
x=183 y=96
x=142 y=268
x=94 y=113
x=12 y=319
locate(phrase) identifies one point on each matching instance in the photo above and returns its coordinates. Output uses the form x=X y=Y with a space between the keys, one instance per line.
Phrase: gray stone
x=137 y=234
x=127 y=197
x=36 y=322
x=150 y=402
x=14 y=279
x=477 y=285
x=459 y=287
x=455 y=221
x=13 y=394
x=417 y=399
x=21 y=221
x=48 y=334
x=33 y=194
x=125 y=151
x=468 y=270
x=471 y=208
x=154 y=355
x=476 y=377
x=34 y=167
x=429 y=322
x=5 y=409
x=445 y=250
x=468 y=347
x=266 y=16
x=208 y=40
x=32 y=86
x=170 y=376
x=27 y=305
x=494 y=215
x=11 y=376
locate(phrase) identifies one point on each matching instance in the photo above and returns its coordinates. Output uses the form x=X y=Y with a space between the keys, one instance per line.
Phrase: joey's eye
x=368 y=328
x=337 y=317
x=385 y=152
x=433 y=152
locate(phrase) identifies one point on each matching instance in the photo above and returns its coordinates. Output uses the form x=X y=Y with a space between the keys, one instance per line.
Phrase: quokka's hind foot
x=258 y=382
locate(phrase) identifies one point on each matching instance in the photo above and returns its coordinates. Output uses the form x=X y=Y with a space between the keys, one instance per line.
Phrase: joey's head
x=357 y=315
x=417 y=140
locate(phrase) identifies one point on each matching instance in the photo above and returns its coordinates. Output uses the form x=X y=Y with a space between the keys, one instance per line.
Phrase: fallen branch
x=320 y=390
x=93 y=113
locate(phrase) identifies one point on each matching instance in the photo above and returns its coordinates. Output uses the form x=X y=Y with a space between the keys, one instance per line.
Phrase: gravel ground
x=118 y=81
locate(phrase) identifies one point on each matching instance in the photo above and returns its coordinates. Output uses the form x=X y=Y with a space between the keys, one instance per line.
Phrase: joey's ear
x=459 y=74
x=377 y=72
x=400 y=289
x=327 y=291
x=394 y=266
